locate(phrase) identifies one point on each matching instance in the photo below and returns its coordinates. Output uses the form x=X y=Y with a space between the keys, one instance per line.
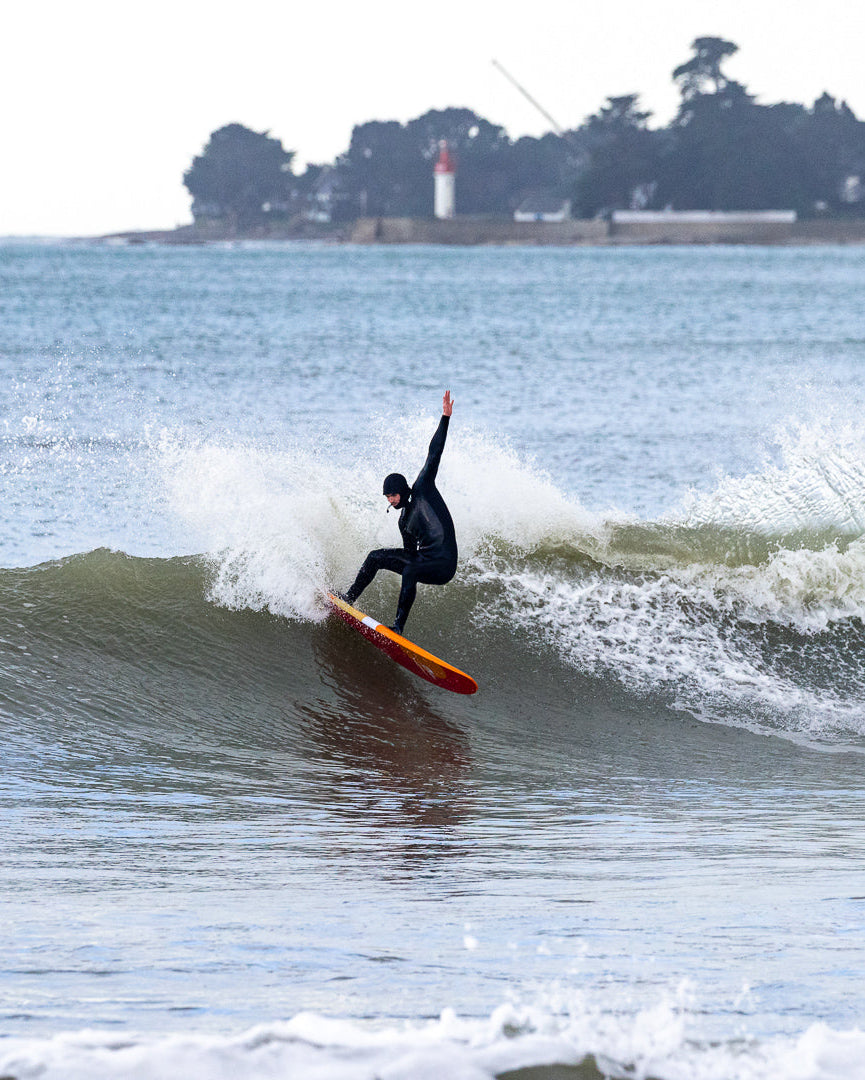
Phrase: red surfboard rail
x=404 y=652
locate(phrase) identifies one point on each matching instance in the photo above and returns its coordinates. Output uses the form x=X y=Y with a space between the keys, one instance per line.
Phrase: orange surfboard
x=403 y=651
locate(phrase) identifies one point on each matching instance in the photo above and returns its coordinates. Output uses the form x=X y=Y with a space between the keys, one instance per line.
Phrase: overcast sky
x=106 y=102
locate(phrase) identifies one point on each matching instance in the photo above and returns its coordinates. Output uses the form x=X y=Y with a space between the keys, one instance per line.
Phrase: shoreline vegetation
x=726 y=169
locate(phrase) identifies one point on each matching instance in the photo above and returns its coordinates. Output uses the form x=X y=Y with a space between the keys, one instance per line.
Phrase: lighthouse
x=445 y=176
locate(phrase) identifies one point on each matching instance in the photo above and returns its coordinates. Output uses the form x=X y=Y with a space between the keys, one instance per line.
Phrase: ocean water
x=237 y=841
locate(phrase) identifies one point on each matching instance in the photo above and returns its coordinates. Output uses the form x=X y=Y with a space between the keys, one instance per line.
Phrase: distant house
x=543 y=208
x=323 y=197
x=852 y=190
x=203 y=211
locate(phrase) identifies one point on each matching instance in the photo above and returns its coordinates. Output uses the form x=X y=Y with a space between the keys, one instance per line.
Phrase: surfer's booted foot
x=429 y=547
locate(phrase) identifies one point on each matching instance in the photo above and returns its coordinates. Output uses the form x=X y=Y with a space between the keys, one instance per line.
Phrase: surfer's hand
x=447 y=404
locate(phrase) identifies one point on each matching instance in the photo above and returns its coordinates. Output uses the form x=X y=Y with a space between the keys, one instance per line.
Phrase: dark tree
x=379 y=170
x=622 y=158
x=241 y=176
x=725 y=152
x=544 y=166
x=702 y=73
x=388 y=169
x=832 y=145
x=481 y=150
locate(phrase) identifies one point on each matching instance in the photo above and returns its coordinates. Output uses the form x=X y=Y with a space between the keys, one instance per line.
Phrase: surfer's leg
x=407 y=594
x=394 y=559
x=425 y=571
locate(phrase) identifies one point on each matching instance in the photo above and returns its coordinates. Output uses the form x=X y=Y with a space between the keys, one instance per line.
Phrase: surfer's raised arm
x=429 y=551
x=428 y=473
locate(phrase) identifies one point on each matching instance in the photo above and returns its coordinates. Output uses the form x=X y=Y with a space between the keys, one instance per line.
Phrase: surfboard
x=403 y=651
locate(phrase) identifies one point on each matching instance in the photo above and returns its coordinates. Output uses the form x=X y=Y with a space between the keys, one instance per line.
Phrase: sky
x=105 y=104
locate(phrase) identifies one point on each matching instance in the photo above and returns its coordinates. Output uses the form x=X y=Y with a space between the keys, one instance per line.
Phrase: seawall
x=467 y=230
x=504 y=231
x=672 y=229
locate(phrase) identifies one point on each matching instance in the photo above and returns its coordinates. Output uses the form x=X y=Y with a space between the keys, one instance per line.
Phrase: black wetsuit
x=429 y=552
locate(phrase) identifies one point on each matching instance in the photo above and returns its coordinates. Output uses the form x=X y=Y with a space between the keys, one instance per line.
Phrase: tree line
x=721 y=151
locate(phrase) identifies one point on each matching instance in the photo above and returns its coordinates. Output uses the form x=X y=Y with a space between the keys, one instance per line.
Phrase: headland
x=660 y=228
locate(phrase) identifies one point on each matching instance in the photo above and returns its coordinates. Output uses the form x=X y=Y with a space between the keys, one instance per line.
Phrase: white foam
x=282 y=524
x=657 y=633
x=695 y=629
x=278 y=525
x=559 y=1030
x=805 y=589
x=817 y=483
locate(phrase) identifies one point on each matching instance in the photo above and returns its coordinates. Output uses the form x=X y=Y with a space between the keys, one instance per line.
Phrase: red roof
x=445 y=163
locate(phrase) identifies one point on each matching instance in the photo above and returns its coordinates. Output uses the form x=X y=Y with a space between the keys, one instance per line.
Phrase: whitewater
x=237 y=840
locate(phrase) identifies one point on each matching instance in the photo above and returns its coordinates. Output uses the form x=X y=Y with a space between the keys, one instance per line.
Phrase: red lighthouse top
x=445 y=163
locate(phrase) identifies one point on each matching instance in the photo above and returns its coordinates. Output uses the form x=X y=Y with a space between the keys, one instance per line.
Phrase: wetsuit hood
x=396 y=484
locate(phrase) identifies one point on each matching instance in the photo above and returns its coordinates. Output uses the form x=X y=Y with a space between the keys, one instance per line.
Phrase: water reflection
x=377 y=734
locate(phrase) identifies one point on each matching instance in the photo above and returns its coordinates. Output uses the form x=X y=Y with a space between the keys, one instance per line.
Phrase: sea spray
x=276 y=525
x=281 y=524
x=686 y=606
x=696 y=606
x=813 y=483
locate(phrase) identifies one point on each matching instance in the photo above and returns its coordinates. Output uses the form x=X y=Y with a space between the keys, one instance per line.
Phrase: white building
x=445 y=183
x=543 y=208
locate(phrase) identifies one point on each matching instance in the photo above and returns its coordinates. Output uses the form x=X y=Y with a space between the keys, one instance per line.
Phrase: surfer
x=429 y=552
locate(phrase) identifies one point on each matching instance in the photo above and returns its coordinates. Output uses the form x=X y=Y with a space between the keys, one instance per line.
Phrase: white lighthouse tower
x=445 y=183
